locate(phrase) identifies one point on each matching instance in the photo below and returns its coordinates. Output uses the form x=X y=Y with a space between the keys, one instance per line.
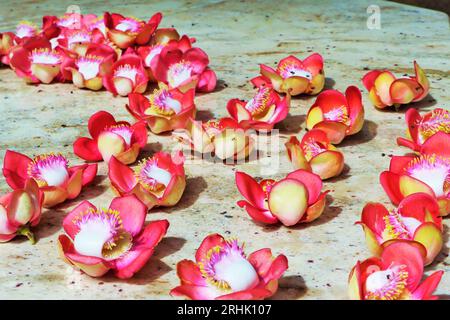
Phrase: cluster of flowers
x=407 y=238
x=123 y=54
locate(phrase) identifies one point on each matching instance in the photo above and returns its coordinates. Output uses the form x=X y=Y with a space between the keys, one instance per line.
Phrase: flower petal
x=132 y=213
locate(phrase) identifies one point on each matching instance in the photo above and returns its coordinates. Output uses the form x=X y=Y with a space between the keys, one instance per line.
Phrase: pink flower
x=127 y=75
x=127 y=31
x=385 y=90
x=421 y=128
x=35 y=61
x=98 y=240
x=294 y=199
x=428 y=173
x=263 y=111
x=19 y=211
x=184 y=69
x=222 y=271
x=157 y=181
x=415 y=219
x=316 y=154
x=88 y=70
x=111 y=138
x=337 y=115
x=164 y=110
x=55 y=178
x=394 y=276
x=294 y=76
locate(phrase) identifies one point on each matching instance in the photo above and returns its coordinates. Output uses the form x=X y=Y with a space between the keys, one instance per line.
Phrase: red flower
x=415 y=219
x=164 y=110
x=428 y=173
x=420 y=128
x=55 y=178
x=127 y=31
x=157 y=181
x=6 y=43
x=184 y=69
x=88 y=70
x=222 y=271
x=294 y=199
x=99 y=240
x=294 y=76
x=35 y=61
x=337 y=115
x=395 y=276
x=19 y=211
x=128 y=75
x=111 y=138
x=385 y=90
x=316 y=154
x=261 y=112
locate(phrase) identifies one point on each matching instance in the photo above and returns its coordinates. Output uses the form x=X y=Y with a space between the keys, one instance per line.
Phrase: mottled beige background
x=237 y=36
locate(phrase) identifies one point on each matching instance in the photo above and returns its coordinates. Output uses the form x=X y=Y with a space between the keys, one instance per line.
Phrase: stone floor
x=237 y=36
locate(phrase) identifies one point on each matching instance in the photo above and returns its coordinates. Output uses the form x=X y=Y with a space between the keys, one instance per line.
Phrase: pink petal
x=132 y=212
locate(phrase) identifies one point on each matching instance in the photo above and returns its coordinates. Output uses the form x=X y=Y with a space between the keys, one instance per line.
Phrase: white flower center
x=89 y=68
x=433 y=171
x=178 y=73
x=127 y=71
x=93 y=235
x=153 y=53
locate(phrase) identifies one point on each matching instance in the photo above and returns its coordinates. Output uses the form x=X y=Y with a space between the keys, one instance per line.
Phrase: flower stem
x=25 y=231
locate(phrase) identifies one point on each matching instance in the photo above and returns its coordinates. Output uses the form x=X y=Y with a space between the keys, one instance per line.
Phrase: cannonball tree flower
x=52 y=173
x=396 y=275
x=263 y=111
x=223 y=271
x=336 y=114
x=20 y=210
x=386 y=90
x=224 y=138
x=294 y=76
x=420 y=128
x=25 y=29
x=127 y=31
x=315 y=154
x=416 y=219
x=98 y=240
x=157 y=181
x=87 y=71
x=429 y=173
x=78 y=40
x=111 y=138
x=127 y=75
x=164 y=110
x=35 y=61
x=297 y=198
x=6 y=43
x=184 y=69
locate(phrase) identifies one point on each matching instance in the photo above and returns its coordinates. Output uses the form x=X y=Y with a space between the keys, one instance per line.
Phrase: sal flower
x=127 y=75
x=20 y=210
x=223 y=137
x=184 y=69
x=294 y=76
x=416 y=219
x=261 y=112
x=157 y=181
x=295 y=199
x=336 y=114
x=223 y=271
x=111 y=138
x=315 y=154
x=386 y=90
x=396 y=275
x=127 y=31
x=52 y=173
x=164 y=110
x=428 y=173
x=88 y=70
x=421 y=128
x=98 y=240
x=35 y=61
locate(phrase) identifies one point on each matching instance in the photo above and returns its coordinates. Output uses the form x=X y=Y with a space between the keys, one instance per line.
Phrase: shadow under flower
x=367 y=133
x=292 y=124
x=194 y=187
x=290 y=288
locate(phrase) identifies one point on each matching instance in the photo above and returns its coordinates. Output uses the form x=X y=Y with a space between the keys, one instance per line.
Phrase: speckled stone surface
x=237 y=36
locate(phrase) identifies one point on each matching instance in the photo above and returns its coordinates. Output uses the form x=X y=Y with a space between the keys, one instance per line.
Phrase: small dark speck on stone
x=328 y=285
x=101 y=283
x=228 y=232
x=366 y=68
x=71 y=92
x=310 y=261
x=228 y=216
x=63 y=126
x=223 y=212
x=39 y=91
x=19 y=284
x=120 y=290
x=383 y=154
